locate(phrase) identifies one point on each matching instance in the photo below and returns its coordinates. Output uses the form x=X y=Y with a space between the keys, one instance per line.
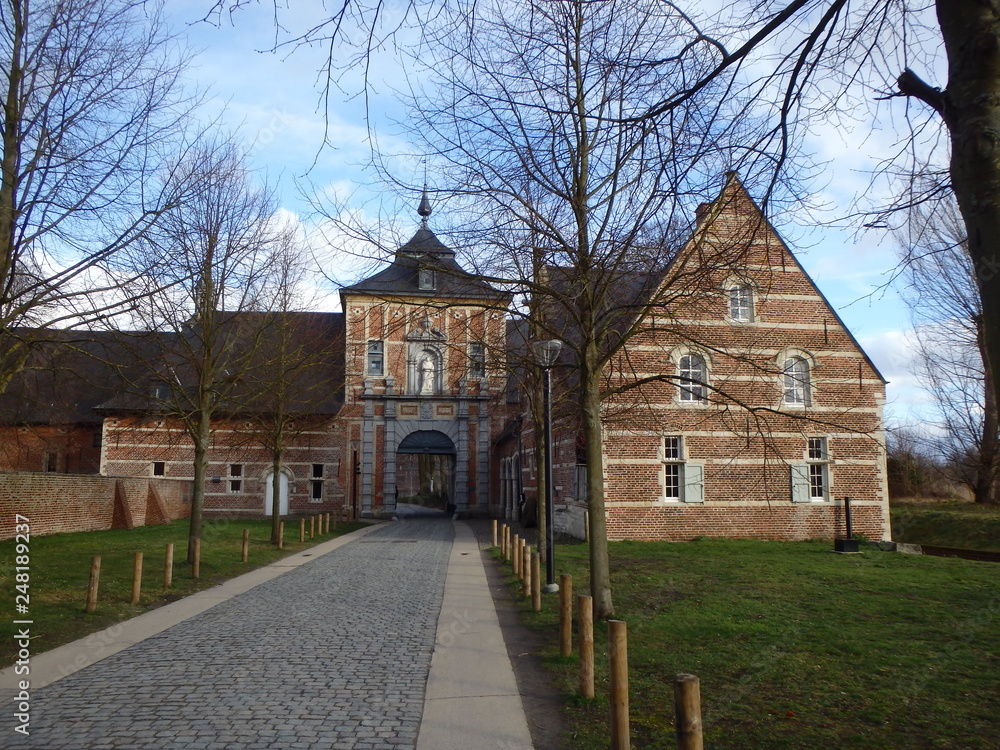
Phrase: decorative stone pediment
x=425 y=332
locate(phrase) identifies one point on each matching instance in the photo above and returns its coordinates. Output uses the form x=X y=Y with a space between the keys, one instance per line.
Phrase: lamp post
x=546 y=354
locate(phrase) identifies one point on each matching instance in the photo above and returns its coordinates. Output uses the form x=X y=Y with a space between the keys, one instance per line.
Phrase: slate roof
x=424 y=251
x=69 y=373
x=314 y=371
x=80 y=377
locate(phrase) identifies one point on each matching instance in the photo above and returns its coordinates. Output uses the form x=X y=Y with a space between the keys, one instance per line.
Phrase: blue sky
x=273 y=99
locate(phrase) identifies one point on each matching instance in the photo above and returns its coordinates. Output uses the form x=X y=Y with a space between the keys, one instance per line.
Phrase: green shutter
x=694 y=483
x=800 y=483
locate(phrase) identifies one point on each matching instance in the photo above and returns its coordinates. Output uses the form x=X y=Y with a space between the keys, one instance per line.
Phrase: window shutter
x=694 y=483
x=800 y=483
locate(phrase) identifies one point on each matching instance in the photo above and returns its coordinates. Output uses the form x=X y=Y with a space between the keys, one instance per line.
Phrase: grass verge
x=796 y=647
x=60 y=570
x=952 y=524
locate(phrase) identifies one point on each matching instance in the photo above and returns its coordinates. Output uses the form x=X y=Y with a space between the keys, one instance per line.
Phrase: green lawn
x=952 y=524
x=795 y=646
x=60 y=569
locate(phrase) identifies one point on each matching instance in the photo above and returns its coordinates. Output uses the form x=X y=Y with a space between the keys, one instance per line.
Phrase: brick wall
x=680 y=523
x=138 y=447
x=57 y=503
x=65 y=449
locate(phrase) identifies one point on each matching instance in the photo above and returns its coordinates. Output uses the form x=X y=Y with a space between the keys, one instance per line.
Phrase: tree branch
x=910 y=84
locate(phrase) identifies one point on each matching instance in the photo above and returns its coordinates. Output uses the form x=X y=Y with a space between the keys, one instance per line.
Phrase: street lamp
x=546 y=354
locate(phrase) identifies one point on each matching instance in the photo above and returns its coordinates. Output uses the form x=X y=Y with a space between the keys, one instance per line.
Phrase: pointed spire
x=424 y=209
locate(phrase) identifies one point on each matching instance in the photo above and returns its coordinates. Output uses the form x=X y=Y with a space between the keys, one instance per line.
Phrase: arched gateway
x=425 y=472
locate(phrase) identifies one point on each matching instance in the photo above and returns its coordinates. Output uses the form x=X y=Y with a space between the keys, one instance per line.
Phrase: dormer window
x=426 y=280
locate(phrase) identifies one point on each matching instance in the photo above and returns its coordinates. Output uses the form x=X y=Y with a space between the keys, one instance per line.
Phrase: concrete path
x=472 y=699
x=333 y=651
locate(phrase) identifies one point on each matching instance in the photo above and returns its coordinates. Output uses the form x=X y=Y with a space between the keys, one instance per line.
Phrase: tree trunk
x=971 y=110
x=989 y=447
x=590 y=408
x=201 y=442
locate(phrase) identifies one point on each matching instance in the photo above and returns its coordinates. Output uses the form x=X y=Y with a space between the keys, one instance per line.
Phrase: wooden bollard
x=525 y=558
x=168 y=566
x=526 y=571
x=536 y=582
x=585 y=620
x=302 y=529
x=504 y=541
x=566 y=615
x=95 y=577
x=494 y=527
x=687 y=706
x=326 y=522
x=281 y=534
x=516 y=556
x=618 y=667
x=196 y=568
x=246 y=544
x=136 y=577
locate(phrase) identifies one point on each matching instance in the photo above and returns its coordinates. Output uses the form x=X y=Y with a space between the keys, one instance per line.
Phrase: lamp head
x=546 y=352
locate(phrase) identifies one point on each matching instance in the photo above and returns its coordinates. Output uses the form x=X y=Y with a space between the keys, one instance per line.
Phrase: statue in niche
x=426 y=369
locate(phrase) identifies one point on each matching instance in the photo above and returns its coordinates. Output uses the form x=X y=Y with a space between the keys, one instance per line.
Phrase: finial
x=424 y=209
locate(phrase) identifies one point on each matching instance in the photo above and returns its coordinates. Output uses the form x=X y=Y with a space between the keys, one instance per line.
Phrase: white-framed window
x=236 y=477
x=376 y=359
x=477 y=359
x=692 y=370
x=682 y=481
x=811 y=480
x=426 y=279
x=159 y=468
x=316 y=483
x=50 y=461
x=796 y=385
x=740 y=303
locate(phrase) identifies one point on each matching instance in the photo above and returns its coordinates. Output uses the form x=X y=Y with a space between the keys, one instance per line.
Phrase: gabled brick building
x=757 y=414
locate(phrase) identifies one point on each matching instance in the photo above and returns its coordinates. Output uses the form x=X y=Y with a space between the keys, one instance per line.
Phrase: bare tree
x=912 y=468
x=92 y=101
x=295 y=383
x=798 y=60
x=948 y=320
x=531 y=108
x=213 y=258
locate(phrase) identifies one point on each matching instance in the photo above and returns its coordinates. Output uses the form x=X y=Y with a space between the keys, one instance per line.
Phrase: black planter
x=845 y=545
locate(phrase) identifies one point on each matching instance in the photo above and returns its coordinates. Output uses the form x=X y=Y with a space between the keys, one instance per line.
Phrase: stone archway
x=425 y=473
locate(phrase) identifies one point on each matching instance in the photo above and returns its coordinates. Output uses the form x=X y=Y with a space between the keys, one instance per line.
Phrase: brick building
x=755 y=412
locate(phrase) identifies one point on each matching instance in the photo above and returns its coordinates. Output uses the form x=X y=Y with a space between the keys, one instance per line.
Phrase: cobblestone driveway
x=334 y=654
